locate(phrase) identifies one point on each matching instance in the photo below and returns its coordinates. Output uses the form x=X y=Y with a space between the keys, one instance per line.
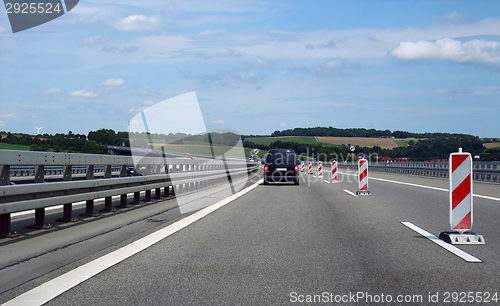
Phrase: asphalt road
x=284 y=244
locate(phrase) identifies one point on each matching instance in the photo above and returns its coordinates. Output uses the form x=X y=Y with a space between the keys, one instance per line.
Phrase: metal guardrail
x=172 y=174
x=482 y=171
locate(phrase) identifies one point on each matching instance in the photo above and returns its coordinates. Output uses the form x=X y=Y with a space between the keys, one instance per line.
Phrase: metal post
x=89 y=206
x=67 y=208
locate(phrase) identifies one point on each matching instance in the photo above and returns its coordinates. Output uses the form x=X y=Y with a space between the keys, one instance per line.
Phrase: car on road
x=281 y=166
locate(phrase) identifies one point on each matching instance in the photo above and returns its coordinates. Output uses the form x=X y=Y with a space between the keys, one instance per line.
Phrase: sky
x=258 y=66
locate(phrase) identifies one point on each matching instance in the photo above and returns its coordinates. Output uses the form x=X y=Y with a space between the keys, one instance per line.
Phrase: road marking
x=53 y=288
x=424 y=186
x=327 y=181
x=351 y=193
x=453 y=249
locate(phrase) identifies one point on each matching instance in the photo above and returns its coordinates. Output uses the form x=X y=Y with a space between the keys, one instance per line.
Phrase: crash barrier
x=158 y=173
x=488 y=171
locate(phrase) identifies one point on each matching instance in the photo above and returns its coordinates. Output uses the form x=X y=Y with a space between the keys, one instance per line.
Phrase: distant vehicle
x=281 y=166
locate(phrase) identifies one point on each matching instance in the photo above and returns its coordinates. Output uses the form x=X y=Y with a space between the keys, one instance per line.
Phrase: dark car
x=281 y=166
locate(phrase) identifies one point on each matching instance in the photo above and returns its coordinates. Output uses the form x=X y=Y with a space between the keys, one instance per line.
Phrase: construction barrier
x=461 y=204
x=363 y=177
x=310 y=168
x=302 y=166
x=334 y=172
x=320 y=168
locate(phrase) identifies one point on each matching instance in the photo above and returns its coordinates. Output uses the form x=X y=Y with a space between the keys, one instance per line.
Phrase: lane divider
x=451 y=248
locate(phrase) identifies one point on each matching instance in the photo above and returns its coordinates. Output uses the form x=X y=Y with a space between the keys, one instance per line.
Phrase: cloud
x=113 y=83
x=457 y=91
x=115 y=49
x=148 y=102
x=219 y=122
x=51 y=91
x=330 y=44
x=263 y=62
x=82 y=93
x=282 y=124
x=225 y=52
x=454 y=17
x=2 y=123
x=208 y=32
x=336 y=66
x=477 y=51
x=138 y=23
x=9 y=116
x=96 y=40
x=309 y=46
x=3 y=30
x=247 y=76
x=205 y=78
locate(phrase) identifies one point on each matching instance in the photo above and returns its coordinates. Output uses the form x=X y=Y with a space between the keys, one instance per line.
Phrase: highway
x=287 y=244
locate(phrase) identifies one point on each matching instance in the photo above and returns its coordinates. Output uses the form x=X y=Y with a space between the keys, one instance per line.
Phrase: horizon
x=258 y=67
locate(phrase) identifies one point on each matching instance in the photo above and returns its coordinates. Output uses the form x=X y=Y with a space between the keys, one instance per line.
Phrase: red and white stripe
x=310 y=167
x=302 y=166
x=334 y=172
x=460 y=165
x=320 y=168
x=363 y=174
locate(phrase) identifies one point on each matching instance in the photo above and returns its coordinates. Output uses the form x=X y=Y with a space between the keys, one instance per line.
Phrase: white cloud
x=219 y=122
x=51 y=91
x=209 y=32
x=82 y=93
x=224 y=52
x=3 y=30
x=247 y=76
x=2 y=123
x=336 y=66
x=477 y=51
x=283 y=124
x=263 y=62
x=113 y=83
x=96 y=40
x=453 y=17
x=148 y=102
x=138 y=23
x=8 y=116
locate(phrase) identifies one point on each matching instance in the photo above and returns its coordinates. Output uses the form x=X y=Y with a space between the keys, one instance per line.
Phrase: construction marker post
x=302 y=166
x=363 y=177
x=334 y=172
x=461 y=204
x=310 y=167
x=320 y=169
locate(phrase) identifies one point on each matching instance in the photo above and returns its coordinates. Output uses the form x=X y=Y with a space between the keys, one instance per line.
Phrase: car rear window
x=281 y=158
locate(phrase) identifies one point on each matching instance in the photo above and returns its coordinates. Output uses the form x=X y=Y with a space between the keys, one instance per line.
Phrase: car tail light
x=265 y=168
x=296 y=168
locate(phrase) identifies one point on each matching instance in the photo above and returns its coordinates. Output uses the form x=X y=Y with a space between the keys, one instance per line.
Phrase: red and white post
x=461 y=203
x=334 y=172
x=310 y=167
x=320 y=169
x=302 y=166
x=363 y=177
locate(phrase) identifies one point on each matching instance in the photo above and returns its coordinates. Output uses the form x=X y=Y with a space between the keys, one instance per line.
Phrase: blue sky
x=257 y=67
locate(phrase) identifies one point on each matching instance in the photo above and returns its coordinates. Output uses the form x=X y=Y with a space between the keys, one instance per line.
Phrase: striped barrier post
x=461 y=204
x=310 y=167
x=334 y=171
x=363 y=177
x=302 y=166
x=320 y=169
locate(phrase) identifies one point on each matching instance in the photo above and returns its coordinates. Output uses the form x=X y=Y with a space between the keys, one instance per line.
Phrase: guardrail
x=482 y=171
x=172 y=174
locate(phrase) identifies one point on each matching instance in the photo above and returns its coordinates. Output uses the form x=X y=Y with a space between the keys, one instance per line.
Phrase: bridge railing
x=482 y=171
x=73 y=178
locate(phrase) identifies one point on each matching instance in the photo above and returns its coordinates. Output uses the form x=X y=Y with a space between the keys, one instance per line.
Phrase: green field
x=299 y=139
x=8 y=146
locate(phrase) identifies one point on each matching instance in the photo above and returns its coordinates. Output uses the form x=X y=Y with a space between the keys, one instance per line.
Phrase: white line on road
x=327 y=181
x=453 y=249
x=351 y=193
x=51 y=289
x=424 y=186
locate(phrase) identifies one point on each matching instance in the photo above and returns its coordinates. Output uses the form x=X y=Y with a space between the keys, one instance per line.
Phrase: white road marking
x=51 y=289
x=327 y=181
x=424 y=186
x=453 y=249
x=351 y=193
